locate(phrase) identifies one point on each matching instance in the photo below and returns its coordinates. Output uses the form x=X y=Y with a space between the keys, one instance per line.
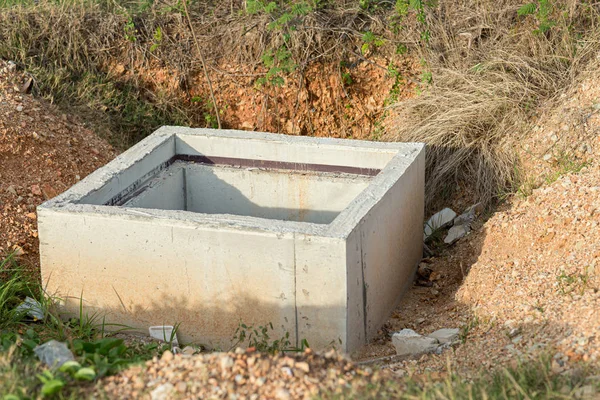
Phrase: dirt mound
x=244 y=375
x=526 y=282
x=42 y=153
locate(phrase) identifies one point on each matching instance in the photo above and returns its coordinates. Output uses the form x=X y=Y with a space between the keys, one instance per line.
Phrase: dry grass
x=101 y=56
x=490 y=70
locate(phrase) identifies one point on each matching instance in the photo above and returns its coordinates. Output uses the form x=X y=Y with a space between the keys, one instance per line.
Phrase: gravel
x=243 y=374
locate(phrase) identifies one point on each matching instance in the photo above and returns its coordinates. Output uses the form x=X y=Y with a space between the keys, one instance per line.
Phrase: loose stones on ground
x=459 y=226
x=409 y=343
x=243 y=374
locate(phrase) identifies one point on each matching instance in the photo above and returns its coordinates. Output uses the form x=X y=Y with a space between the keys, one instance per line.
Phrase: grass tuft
x=489 y=71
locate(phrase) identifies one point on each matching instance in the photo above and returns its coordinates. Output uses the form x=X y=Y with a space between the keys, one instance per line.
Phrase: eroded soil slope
x=526 y=281
x=42 y=153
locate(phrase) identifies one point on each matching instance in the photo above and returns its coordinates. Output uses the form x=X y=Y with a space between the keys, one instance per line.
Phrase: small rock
x=26 y=87
x=439 y=220
x=12 y=67
x=446 y=335
x=226 y=362
x=31 y=216
x=19 y=108
x=11 y=189
x=167 y=356
x=48 y=191
x=547 y=157
x=181 y=387
x=517 y=339
x=456 y=232
x=409 y=342
x=35 y=189
x=424 y=270
x=584 y=392
x=282 y=394
x=18 y=251
x=514 y=332
x=162 y=392
x=188 y=350
x=303 y=366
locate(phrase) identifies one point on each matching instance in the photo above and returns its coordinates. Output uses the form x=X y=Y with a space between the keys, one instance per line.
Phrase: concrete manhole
x=209 y=228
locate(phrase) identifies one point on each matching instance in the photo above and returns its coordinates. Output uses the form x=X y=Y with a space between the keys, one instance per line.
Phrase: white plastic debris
x=439 y=220
x=53 y=353
x=166 y=333
x=456 y=232
x=32 y=307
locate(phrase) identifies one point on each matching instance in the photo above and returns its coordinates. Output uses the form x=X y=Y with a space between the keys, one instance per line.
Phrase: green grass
x=97 y=354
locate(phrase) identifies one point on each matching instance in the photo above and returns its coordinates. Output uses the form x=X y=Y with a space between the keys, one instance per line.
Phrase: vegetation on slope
x=486 y=65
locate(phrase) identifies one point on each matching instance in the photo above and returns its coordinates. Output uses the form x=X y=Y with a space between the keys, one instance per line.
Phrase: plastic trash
x=32 y=307
x=53 y=353
x=165 y=333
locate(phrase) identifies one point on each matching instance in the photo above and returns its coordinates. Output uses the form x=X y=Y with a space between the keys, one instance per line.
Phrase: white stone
x=438 y=221
x=446 y=335
x=409 y=342
x=456 y=232
x=163 y=392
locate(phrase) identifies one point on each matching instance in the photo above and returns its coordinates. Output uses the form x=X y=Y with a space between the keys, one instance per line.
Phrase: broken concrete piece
x=456 y=232
x=468 y=215
x=446 y=335
x=439 y=220
x=409 y=342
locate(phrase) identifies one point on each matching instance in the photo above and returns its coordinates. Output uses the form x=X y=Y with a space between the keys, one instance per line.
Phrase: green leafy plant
x=419 y=7
x=157 y=39
x=284 y=19
x=278 y=63
x=569 y=283
x=542 y=10
x=51 y=384
x=370 y=42
x=396 y=87
x=260 y=338
x=467 y=328
x=130 y=30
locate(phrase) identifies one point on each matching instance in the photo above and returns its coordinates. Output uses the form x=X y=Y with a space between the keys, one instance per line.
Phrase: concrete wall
x=144 y=273
x=331 y=283
x=164 y=192
x=272 y=194
x=285 y=148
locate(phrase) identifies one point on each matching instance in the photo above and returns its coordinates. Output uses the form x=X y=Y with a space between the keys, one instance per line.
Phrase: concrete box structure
x=208 y=228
